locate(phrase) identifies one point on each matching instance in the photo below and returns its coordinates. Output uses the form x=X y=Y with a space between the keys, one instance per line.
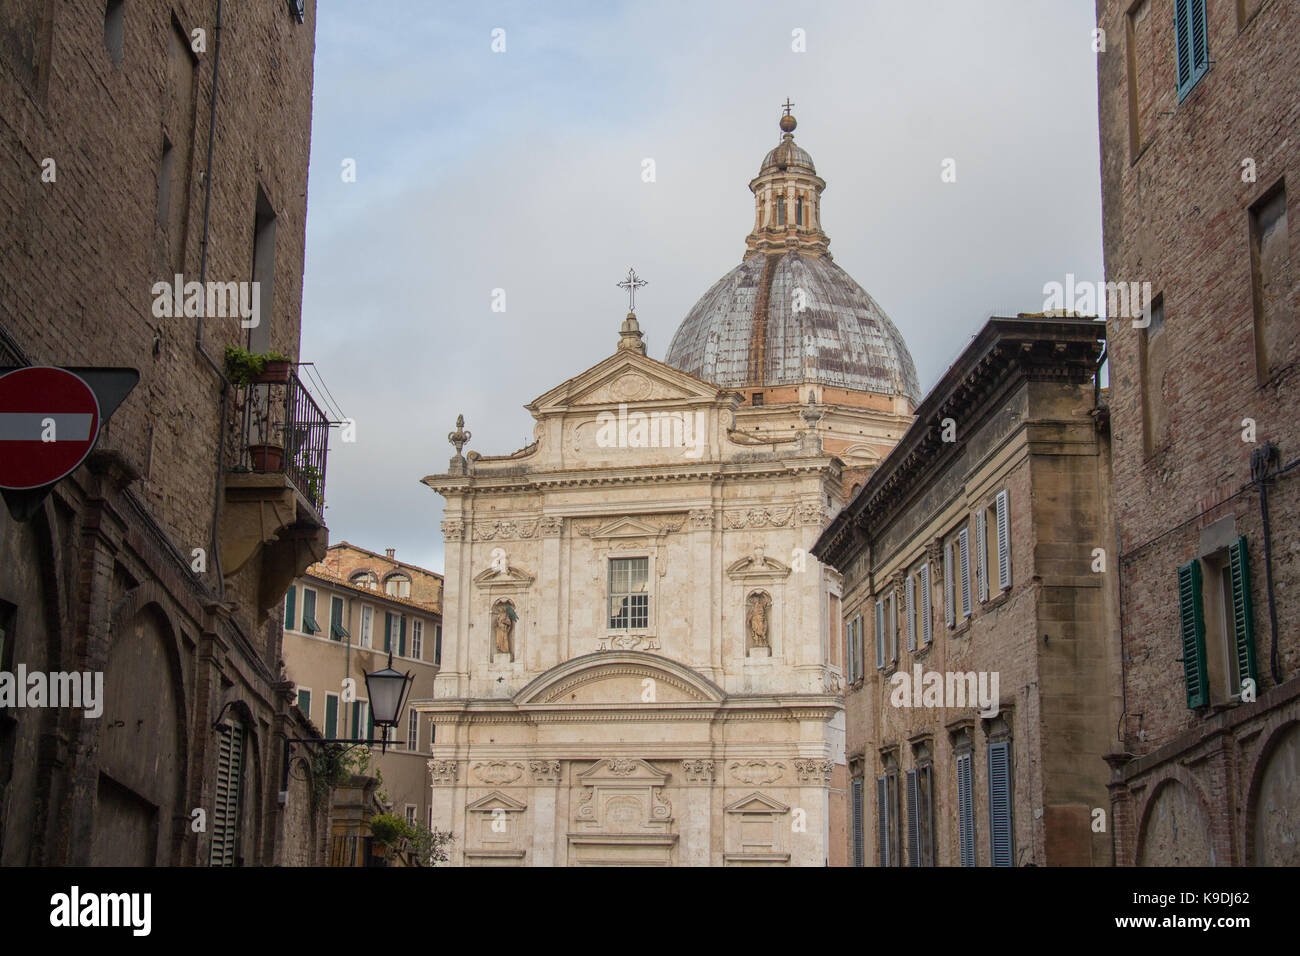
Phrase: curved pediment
x=619 y=677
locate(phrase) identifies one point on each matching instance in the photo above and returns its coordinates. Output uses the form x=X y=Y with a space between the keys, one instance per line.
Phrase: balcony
x=277 y=446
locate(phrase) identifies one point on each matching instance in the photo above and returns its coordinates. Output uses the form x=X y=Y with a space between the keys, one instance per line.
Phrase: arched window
x=365 y=579
x=798 y=211
x=397 y=585
x=780 y=210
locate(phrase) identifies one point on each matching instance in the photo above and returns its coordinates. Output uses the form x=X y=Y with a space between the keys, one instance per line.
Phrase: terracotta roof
x=328 y=578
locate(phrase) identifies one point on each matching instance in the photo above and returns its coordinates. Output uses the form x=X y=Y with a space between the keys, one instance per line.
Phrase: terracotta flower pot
x=277 y=370
x=266 y=458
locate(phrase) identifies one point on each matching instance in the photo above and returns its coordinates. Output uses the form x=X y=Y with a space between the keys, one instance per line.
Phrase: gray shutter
x=1003 y=517
x=893 y=626
x=848 y=649
x=882 y=820
x=859 y=837
x=860 y=646
x=965 y=809
x=913 y=820
x=880 y=635
x=949 y=594
x=1242 y=626
x=963 y=549
x=981 y=555
x=927 y=626
x=909 y=589
x=1000 y=835
x=225 y=807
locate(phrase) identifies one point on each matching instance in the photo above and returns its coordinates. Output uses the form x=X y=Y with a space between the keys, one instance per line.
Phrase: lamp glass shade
x=387 y=688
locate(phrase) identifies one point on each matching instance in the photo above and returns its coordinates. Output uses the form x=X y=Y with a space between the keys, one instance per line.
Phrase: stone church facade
x=642 y=663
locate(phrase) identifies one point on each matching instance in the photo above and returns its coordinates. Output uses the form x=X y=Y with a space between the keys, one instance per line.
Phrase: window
x=437 y=643
x=963 y=566
x=920 y=818
x=433 y=735
x=367 y=625
x=331 y=715
x=798 y=211
x=1216 y=625
x=224 y=849
x=410 y=814
x=756 y=399
x=1192 y=44
x=880 y=635
x=259 y=336
x=309 y=625
x=397 y=585
x=1143 y=58
x=949 y=588
x=966 y=809
x=780 y=210
x=304 y=701
x=838 y=635
x=909 y=605
x=413 y=730
x=417 y=639
x=891 y=604
x=927 y=624
x=1153 y=364
x=887 y=819
x=1277 y=335
x=394 y=632
x=1001 y=837
x=629 y=602
x=858 y=648
x=337 y=631
x=981 y=556
x=114 y=29
x=993 y=547
x=365 y=579
x=850 y=666
x=859 y=847
x=290 y=610
x=360 y=717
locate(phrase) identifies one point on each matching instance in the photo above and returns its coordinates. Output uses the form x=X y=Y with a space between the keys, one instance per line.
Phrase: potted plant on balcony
x=245 y=368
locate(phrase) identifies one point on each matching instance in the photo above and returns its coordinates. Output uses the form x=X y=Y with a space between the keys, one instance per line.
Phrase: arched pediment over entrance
x=620 y=677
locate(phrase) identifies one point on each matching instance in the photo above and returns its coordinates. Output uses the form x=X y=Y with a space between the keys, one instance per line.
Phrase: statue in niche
x=503 y=629
x=757 y=620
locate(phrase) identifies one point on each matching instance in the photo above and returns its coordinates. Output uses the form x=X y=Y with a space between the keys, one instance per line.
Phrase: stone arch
x=555 y=685
x=140 y=812
x=1175 y=827
x=1272 y=835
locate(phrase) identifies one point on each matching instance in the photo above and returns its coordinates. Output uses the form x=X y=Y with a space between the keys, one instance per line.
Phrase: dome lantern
x=787 y=198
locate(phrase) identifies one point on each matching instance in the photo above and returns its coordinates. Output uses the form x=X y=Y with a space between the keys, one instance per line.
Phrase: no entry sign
x=49 y=420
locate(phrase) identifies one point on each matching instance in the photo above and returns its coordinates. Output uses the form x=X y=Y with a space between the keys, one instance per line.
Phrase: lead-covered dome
x=788 y=314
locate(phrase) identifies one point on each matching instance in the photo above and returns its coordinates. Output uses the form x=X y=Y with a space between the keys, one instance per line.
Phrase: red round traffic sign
x=49 y=420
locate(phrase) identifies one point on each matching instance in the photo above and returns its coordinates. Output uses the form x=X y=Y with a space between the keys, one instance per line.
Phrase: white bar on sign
x=30 y=426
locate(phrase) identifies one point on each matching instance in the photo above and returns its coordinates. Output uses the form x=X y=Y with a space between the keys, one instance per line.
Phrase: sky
x=522 y=170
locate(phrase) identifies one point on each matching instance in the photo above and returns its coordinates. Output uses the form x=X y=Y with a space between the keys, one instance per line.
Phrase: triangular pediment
x=759 y=566
x=510 y=575
x=625 y=378
x=616 y=770
x=756 y=803
x=496 y=800
x=627 y=527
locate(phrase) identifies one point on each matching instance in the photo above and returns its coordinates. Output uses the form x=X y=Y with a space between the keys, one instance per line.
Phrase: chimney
x=390 y=552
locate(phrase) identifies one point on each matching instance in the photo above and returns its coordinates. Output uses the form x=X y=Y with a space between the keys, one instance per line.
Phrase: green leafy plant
x=415 y=843
x=334 y=764
x=243 y=366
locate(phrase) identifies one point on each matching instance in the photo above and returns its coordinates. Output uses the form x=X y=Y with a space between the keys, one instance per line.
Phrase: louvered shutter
x=949 y=598
x=1183 y=42
x=913 y=820
x=882 y=820
x=963 y=549
x=927 y=626
x=331 y=715
x=850 y=664
x=225 y=807
x=965 y=809
x=401 y=638
x=859 y=838
x=1192 y=621
x=370 y=722
x=893 y=626
x=304 y=702
x=291 y=607
x=910 y=594
x=880 y=635
x=860 y=645
x=1000 y=803
x=388 y=631
x=1003 y=517
x=356 y=720
x=1242 y=626
x=1200 y=38
x=981 y=556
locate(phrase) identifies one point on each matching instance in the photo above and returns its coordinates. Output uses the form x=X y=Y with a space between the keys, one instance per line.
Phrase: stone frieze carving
x=702 y=519
x=544 y=771
x=698 y=771
x=759 y=518
x=504 y=530
x=811 y=770
x=551 y=525
x=628 y=642
x=622 y=768
x=443 y=772
x=498 y=772
x=651 y=523
x=757 y=772
x=811 y=512
x=453 y=529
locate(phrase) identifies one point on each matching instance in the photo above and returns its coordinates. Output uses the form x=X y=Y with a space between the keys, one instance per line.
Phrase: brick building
x=144 y=141
x=1200 y=146
x=975 y=629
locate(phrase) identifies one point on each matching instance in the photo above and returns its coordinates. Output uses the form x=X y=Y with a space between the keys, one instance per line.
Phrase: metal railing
x=282 y=430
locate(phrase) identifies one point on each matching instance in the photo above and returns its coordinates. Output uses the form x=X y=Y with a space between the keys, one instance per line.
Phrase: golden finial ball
x=788 y=124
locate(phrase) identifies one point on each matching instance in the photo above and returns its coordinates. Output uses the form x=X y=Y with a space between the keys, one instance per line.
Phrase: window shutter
x=1193 y=633
x=913 y=820
x=949 y=607
x=370 y=723
x=225 y=810
x=882 y=819
x=1004 y=541
x=1242 y=626
x=859 y=650
x=981 y=556
x=963 y=549
x=880 y=635
x=388 y=631
x=1000 y=836
x=1200 y=38
x=331 y=715
x=859 y=840
x=401 y=639
x=304 y=702
x=965 y=809
x=893 y=626
x=927 y=627
x=1183 y=41
x=356 y=719
x=290 y=607
x=848 y=650
x=910 y=596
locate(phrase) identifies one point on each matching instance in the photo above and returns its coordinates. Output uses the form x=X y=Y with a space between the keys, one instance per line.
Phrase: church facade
x=642 y=663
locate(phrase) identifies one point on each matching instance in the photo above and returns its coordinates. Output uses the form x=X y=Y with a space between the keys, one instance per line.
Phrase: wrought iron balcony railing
x=282 y=430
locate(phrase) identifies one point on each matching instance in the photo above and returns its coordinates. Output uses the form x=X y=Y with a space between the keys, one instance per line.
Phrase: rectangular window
x=304 y=701
x=859 y=646
x=629 y=598
x=437 y=643
x=925 y=815
x=1192 y=43
x=892 y=604
x=913 y=819
x=1001 y=837
x=361 y=722
x=1153 y=364
x=331 y=715
x=756 y=399
x=880 y=635
x=1142 y=63
x=417 y=640
x=337 y=631
x=309 y=625
x=413 y=730
x=966 y=809
x=290 y=608
x=410 y=814
x=1277 y=333
x=367 y=625
x=859 y=842
x=837 y=635
x=259 y=336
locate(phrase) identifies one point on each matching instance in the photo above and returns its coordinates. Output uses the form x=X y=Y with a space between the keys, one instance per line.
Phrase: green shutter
x=1242 y=628
x=370 y=723
x=356 y=720
x=331 y=715
x=1192 y=618
x=291 y=608
x=401 y=638
x=304 y=702
x=388 y=631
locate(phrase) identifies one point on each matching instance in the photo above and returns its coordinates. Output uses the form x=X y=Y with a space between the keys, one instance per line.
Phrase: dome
x=746 y=330
x=788 y=314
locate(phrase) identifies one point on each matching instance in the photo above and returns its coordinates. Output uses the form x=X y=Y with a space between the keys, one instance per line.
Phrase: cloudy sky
x=521 y=170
